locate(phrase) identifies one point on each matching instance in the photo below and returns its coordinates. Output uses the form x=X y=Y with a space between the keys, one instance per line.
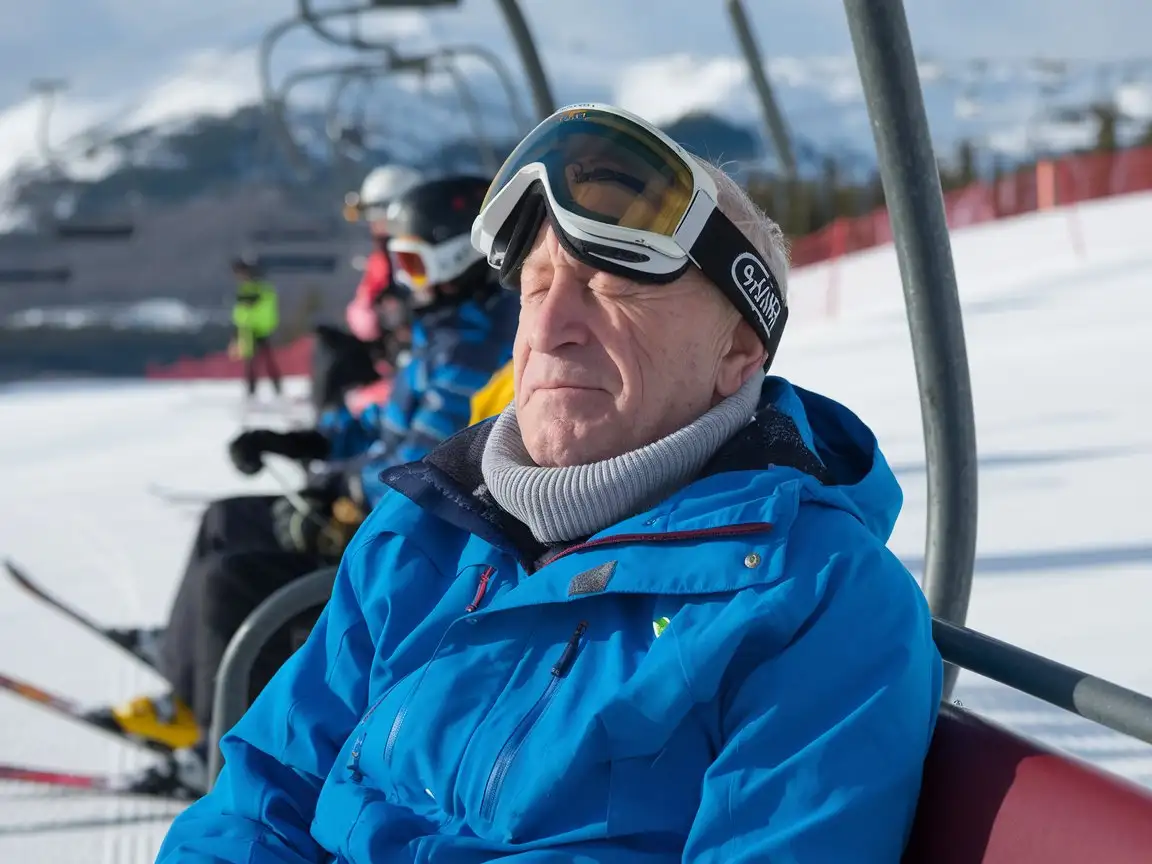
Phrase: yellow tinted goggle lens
x=606 y=168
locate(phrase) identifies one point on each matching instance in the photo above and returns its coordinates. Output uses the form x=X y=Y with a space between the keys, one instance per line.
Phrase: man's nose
x=561 y=317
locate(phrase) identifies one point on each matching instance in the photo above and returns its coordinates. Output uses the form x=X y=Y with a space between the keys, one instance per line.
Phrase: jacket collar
x=448 y=483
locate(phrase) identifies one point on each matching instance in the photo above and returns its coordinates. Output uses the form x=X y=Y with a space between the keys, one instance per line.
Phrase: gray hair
x=766 y=236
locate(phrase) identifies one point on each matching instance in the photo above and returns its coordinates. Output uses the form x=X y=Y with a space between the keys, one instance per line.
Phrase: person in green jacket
x=256 y=316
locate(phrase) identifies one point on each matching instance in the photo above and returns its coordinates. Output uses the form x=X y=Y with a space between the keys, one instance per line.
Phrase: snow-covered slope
x=1060 y=360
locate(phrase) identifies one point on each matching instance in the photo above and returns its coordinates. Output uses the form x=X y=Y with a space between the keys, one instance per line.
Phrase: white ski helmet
x=380 y=187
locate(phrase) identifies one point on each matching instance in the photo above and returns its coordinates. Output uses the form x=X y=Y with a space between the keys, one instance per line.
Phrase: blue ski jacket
x=455 y=351
x=743 y=673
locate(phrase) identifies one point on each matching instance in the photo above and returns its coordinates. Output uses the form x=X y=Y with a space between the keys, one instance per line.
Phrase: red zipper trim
x=481 y=588
x=670 y=537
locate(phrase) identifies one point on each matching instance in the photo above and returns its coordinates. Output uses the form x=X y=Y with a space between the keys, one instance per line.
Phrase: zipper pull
x=564 y=664
x=481 y=588
x=353 y=766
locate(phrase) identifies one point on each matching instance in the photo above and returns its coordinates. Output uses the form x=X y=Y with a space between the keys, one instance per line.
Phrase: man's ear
x=745 y=358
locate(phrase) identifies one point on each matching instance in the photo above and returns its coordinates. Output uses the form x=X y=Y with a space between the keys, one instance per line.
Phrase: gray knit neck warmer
x=565 y=504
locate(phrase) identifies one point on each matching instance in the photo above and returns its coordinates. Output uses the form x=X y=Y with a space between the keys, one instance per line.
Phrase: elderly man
x=646 y=614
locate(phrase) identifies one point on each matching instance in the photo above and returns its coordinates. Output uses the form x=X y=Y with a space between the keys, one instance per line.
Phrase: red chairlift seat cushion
x=992 y=797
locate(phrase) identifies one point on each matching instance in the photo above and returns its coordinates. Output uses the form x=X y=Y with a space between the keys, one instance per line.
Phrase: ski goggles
x=419 y=265
x=626 y=199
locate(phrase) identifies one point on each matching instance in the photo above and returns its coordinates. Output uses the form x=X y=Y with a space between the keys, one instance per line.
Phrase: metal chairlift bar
x=493 y=61
x=315 y=18
x=340 y=87
x=529 y=57
x=773 y=119
x=235 y=673
x=911 y=180
x=276 y=102
x=513 y=18
x=475 y=116
x=1103 y=702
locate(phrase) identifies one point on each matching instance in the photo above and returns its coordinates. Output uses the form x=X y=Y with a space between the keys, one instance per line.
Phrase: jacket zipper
x=511 y=748
x=481 y=588
x=402 y=713
x=353 y=765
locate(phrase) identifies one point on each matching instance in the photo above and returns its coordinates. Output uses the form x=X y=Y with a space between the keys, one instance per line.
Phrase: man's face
x=604 y=365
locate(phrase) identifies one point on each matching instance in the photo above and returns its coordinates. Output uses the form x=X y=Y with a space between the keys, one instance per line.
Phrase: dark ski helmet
x=431 y=228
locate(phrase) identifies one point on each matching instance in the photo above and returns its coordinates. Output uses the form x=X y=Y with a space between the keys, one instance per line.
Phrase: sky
x=151 y=59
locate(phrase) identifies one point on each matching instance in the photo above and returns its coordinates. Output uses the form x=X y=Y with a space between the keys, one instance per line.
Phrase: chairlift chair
x=69 y=230
x=542 y=99
x=989 y=796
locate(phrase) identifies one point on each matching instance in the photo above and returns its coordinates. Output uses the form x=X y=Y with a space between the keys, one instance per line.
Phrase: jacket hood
x=860 y=480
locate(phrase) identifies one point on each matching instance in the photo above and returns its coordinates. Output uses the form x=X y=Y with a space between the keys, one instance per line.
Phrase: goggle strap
x=729 y=260
x=522 y=226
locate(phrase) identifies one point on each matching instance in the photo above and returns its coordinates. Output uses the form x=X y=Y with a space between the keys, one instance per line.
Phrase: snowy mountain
x=188 y=132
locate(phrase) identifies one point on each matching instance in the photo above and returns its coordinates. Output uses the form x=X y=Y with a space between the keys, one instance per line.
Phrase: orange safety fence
x=294 y=358
x=1052 y=183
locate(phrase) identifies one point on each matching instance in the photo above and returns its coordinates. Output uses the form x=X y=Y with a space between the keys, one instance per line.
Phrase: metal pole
x=773 y=119
x=233 y=678
x=908 y=169
x=530 y=57
x=1103 y=702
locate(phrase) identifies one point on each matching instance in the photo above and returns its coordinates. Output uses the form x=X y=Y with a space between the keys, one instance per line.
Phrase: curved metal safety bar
x=773 y=119
x=911 y=180
x=513 y=18
x=1103 y=702
x=47 y=90
x=276 y=107
x=234 y=676
x=332 y=109
x=499 y=68
x=441 y=61
x=315 y=19
x=268 y=92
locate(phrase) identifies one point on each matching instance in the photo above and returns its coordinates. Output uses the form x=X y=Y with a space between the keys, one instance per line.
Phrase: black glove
x=304 y=529
x=248 y=448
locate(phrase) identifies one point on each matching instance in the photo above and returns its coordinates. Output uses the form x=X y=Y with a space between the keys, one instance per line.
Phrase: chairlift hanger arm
x=475 y=116
x=277 y=106
x=500 y=68
x=773 y=119
x=883 y=47
x=315 y=19
x=340 y=87
x=510 y=9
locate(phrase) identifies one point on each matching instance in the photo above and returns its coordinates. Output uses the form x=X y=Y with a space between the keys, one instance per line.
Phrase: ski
x=121 y=641
x=181 y=498
x=149 y=784
x=100 y=719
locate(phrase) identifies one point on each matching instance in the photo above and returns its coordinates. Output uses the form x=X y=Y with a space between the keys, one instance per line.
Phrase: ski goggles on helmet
x=624 y=198
x=419 y=265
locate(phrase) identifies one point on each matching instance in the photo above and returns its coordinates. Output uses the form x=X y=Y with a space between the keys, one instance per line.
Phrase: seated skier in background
x=248 y=547
x=379 y=328
x=644 y=615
